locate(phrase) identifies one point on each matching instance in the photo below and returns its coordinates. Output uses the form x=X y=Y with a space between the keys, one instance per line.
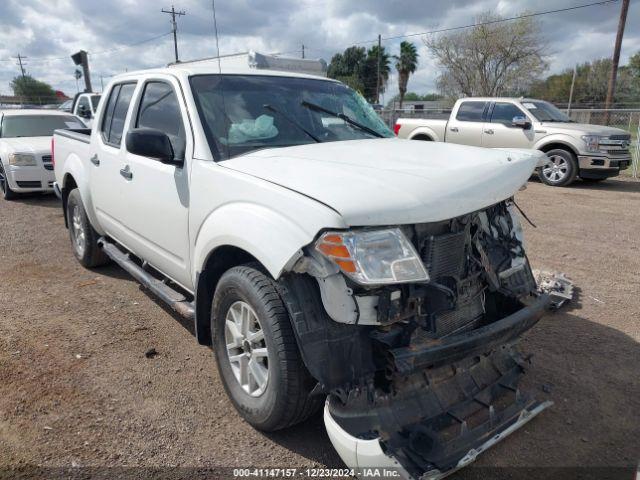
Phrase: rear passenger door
x=157 y=194
x=105 y=164
x=466 y=124
x=499 y=130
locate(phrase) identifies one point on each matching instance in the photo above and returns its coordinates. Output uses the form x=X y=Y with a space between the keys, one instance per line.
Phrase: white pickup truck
x=84 y=105
x=319 y=256
x=591 y=152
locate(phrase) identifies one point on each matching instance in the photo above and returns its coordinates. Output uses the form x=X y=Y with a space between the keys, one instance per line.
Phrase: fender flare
x=272 y=238
x=558 y=138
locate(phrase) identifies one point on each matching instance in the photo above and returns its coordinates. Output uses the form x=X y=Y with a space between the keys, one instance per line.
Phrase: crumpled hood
x=34 y=145
x=580 y=129
x=393 y=181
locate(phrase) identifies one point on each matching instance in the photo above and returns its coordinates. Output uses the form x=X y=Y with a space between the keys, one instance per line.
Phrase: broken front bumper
x=363 y=455
x=450 y=399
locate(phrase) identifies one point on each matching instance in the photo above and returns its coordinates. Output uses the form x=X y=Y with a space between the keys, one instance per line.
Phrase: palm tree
x=406 y=64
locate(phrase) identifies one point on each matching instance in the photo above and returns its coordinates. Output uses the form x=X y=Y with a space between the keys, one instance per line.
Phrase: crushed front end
x=410 y=332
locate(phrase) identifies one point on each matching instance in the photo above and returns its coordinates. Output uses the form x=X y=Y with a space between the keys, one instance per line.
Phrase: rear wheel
x=257 y=353
x=561 y=169
x=7 y=193
x=84 y=239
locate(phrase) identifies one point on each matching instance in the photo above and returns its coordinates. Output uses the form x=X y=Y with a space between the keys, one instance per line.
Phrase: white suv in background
x=25 y=149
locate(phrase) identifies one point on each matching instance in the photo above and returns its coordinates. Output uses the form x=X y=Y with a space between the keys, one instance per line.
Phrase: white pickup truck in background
x=84 y=105
x=590 y=152
x=319 y=256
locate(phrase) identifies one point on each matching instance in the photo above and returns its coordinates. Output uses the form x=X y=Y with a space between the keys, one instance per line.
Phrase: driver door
x=499 y=131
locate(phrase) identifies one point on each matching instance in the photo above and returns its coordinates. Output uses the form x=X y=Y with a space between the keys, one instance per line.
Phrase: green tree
x=406 y=64
x=358 y=68
x=591 y=84
x=32 y=90
x=634 y=65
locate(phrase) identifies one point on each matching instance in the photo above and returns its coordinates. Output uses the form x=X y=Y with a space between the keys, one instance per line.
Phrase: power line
x=101 y=52
x=461 y=27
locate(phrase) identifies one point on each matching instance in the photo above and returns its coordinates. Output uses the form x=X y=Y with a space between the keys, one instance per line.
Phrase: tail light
x=53 y=157
x=396 y=128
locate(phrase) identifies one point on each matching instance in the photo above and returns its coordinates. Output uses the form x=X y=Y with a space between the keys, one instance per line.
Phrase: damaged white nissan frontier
x=327 y=263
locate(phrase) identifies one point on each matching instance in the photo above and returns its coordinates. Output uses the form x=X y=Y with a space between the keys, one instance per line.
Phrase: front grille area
x=29 y=184
x=620 y=137
x=443 y=255
x=46 y=161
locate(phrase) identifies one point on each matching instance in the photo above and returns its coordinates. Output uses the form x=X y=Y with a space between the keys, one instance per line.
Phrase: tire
x=561 y=170
x=84 y=239
x=7 y=193
x=284 y=398
x=424 y=138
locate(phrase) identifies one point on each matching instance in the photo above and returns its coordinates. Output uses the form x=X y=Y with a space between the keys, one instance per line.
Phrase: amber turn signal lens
x=334 y=250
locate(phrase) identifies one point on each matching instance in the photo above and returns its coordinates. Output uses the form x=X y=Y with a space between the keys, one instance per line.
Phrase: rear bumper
x=361 y=454
x=56 y=190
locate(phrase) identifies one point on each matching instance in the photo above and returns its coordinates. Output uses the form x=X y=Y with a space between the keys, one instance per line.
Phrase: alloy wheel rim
x=556 y=169
x=79 y=238
x=246 y=348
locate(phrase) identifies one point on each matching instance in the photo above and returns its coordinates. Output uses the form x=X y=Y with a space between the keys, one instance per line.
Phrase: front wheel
x=84 y=239
x=7 y=193
x=256 y=352
x=561 y=169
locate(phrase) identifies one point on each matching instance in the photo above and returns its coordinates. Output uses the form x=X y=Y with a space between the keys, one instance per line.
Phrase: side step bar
x=171 y=297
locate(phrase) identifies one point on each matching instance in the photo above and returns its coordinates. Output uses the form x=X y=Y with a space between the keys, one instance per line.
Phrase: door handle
x=490 y=132
x=126 y=173
x=95 y=160
x=454 y=129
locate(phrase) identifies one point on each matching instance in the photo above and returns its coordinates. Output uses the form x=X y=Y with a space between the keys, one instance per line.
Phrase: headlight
x=22 y=160
x=373 y=257
x=592 y=142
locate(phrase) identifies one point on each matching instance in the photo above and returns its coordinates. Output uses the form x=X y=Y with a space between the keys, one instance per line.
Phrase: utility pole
x=573 y=83
x=616 y=57
x=303 y=50
x=174 y=27
x=20 y=59
x=378 y=76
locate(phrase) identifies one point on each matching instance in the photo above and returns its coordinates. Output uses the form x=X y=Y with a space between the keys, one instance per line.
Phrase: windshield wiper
x=341 y=116
x=273 y=109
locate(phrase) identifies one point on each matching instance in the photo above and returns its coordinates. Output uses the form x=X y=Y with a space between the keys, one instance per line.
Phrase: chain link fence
x=38 y=102
x=625 y=119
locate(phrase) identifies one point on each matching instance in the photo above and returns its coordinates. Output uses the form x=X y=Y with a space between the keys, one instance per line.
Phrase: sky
x=123 y=35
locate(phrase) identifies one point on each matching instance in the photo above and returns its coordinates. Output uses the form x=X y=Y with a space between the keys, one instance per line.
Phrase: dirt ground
x=76 y=389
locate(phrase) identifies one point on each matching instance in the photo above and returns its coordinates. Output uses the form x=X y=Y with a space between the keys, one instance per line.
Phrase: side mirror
x=152 y=143
x=84 y=112
x=521 y=122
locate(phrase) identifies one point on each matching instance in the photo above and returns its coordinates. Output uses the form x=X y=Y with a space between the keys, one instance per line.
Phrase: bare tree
x=492 y=58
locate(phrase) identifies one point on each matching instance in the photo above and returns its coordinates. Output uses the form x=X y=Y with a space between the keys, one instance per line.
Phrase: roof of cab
x=212 y=69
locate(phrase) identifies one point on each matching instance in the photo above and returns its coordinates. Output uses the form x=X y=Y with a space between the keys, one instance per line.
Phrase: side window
x=116 y=112
x=83 y=104
x=504 y=113
x=471 y=111
x=120 y=112
x=159 y=109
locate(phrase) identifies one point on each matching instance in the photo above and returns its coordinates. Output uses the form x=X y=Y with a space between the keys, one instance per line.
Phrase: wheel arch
x=558 y=144
x=217 y=262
